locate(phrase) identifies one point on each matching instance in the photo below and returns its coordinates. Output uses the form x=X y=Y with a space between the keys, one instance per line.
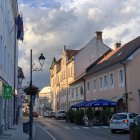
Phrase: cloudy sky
x=51 y=24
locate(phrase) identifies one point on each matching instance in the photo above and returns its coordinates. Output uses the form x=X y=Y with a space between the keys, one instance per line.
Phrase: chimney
x=117 y=45
x=99 y=35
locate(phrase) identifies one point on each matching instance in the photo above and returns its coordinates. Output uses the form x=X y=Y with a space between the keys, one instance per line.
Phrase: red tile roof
x=116 y=56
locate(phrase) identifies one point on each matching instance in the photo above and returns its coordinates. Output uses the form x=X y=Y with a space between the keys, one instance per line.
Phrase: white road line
x=46 y=128
x=105 y=126
x=96 y=127
x=47 y=132
x=86 y=127
x=76 y=127
x=66 y=127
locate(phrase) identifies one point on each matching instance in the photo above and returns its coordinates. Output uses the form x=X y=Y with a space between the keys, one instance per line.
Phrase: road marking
x=66 y=127
x=46 y=128
x=47 y=132
x=76 y=127
x=96 y=127
x=105 y=127
x=86 y=127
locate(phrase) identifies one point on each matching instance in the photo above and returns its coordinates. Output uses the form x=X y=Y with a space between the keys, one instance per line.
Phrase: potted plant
x=34 y=90
x=132 y=131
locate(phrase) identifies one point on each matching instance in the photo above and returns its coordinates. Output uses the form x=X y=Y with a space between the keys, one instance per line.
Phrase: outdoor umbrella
x=77 y=105
x=100 y=103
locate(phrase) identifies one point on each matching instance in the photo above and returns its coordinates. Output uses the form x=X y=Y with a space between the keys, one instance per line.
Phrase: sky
x=51 y=24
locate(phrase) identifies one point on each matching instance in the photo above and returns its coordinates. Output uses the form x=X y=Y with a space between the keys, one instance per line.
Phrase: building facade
x=8 y=61
x=69 y=68
x=44 y=101
x=115 y=77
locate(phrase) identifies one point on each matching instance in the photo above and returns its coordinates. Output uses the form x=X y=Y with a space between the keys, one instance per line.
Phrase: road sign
x=7 y=92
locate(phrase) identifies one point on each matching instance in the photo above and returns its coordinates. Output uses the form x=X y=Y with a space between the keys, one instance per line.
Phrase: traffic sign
x=7 y=92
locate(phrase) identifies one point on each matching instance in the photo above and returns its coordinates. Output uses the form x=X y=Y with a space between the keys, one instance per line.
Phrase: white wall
x=87 y=55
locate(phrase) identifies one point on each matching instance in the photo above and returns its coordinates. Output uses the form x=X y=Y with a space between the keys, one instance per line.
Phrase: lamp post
x=20 y=79
x=41 y=61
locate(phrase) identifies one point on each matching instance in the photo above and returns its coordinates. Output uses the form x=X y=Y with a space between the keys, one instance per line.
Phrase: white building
x=44 y=101
x=8 y=60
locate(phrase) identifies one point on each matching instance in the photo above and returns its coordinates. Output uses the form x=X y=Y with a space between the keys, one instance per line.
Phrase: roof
x=70 y=53
x=116 y=56
x=53 y=62
x=58 y=65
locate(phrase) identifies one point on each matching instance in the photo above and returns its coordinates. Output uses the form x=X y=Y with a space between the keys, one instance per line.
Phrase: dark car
x=137 y=120
x=35 y=114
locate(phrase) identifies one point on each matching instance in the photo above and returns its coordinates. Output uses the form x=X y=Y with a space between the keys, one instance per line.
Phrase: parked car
x=51 y=114
x=121 y=121
x=137 y=120
x=35 y=114
x=46 y=114
x=61 y=115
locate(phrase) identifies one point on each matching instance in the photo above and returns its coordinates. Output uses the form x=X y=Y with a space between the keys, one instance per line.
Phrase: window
x=105 y=82
x=111 y=80
x=87 y=86
x=71 y=71
x=101 y=83
x=76 y=92
x=94 y=84
x=121 y=78
x=72 y=92
x=81 y=90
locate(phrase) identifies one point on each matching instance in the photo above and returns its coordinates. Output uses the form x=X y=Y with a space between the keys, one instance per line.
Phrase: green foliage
x=90 y=113
x=132 y=126
x=105 y=115
x=71 y=115
x=79 y=116
x=135 y=131
x=31 y=90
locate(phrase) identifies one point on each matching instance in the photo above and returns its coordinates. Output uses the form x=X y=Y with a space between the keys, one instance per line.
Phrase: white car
x=121 y=121
x=61 y=115
x=46 y=114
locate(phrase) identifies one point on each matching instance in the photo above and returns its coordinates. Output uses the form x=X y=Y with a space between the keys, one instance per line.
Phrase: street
x=51 y=129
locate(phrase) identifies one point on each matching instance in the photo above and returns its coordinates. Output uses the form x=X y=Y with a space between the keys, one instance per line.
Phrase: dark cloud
x=51 y=24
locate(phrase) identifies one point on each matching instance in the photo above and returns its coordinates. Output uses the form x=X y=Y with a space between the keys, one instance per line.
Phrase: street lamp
x=41 y=61
x=18 y=107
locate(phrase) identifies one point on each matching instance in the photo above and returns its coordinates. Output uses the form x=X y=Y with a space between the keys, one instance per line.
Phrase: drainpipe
x=84 y=89
x=125 y=94
x=139 y=97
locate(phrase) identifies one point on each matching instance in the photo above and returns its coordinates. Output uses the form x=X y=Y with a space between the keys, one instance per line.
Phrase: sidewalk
x=15 y=132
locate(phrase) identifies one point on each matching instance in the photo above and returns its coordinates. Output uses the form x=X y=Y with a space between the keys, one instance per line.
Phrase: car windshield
x=119 y=117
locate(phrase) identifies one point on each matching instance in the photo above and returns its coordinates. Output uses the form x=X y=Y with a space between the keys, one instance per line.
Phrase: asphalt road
x=51 y=129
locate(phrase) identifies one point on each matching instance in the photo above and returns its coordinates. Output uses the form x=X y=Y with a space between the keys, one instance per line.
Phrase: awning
x=116 y=98
x=94 y=103
x=80 y=104
x=101 y=103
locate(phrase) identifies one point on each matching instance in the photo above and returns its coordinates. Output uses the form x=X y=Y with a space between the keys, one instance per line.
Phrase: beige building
x=59 y=79
x=116 y=77
x=44 y=101
x=70 y=67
